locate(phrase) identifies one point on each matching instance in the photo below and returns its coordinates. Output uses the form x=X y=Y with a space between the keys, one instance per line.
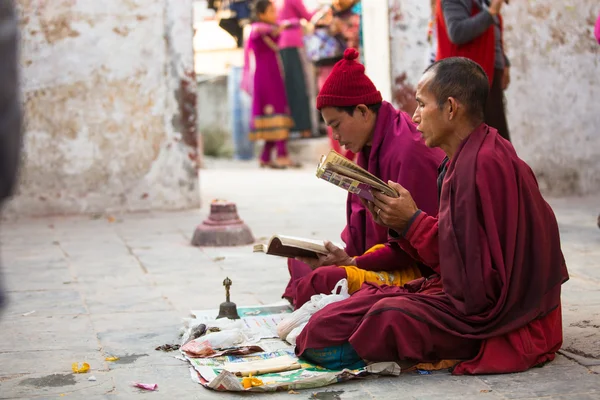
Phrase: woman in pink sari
x=263 y=80
x=597 y=30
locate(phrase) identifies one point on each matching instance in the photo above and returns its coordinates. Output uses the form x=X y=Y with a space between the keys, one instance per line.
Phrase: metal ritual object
x=223 y=227
x=228 y=309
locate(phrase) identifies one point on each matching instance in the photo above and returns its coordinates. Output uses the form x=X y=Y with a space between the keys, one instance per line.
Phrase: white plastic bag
x=300 y=317
x=223 y=339
x=291 y=338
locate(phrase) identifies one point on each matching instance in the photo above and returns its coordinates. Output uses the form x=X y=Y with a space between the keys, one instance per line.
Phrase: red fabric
x=389 y=258
x=347 y=85
x=297 y=270
x=322 y=282
x=422 y=241
x=375 y=324
x=517 y=351
x=397 y=153
x=500 y=265
x=491 y=249
x=481 y=50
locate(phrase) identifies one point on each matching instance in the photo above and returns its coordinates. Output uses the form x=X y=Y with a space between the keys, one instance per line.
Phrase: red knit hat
x=348 y=85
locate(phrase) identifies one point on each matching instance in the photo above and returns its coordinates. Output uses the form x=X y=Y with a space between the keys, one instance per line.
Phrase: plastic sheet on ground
x=211 y=372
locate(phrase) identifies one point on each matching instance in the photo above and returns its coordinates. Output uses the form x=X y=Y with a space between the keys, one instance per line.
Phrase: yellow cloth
x=357 y=276
x=442 y=364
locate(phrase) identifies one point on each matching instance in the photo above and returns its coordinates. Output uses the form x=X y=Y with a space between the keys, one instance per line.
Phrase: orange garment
x=357 y=276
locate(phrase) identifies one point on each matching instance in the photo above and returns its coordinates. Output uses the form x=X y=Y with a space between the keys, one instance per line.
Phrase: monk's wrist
x=406 y=228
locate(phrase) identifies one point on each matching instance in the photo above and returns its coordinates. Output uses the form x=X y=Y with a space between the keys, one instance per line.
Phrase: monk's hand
x=336 y=256
x=373 y=210
x=395 y=213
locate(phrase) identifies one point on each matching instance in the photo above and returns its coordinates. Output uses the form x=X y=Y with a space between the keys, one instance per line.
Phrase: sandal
x=272 y=165
x=286 y=162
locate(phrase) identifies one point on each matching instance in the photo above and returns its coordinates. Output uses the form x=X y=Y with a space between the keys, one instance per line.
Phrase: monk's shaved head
x=462 y=79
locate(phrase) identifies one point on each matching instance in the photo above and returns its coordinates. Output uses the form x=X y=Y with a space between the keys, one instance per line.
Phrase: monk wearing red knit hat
x=390 y=147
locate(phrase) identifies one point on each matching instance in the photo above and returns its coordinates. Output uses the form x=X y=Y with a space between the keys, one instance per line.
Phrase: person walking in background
x=10 y=106
x=343 y=24
x=291 y=47
x=473 y=29
x=263 y=80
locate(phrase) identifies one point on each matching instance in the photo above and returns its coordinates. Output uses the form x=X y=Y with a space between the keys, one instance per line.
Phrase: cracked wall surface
x=109 y=102
x=552 y=102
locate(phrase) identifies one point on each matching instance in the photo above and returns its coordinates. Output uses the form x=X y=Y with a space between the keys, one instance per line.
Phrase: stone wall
x=552 y=102
x=109 y=100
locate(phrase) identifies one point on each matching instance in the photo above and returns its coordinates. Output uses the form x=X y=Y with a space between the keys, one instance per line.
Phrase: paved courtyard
x=88 y=287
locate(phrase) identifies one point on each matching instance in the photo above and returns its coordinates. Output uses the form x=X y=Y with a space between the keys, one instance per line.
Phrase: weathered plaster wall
x=554 y=98
x=408 y=37
x=109 y=101
x=553 y=108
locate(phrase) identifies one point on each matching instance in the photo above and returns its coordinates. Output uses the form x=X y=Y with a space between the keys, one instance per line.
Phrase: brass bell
x=228 y=309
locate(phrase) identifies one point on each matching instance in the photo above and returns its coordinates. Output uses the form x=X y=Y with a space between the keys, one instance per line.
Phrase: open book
x=291 y=247
x=336 y=169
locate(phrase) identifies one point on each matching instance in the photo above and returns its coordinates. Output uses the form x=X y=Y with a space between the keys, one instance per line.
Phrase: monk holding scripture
x=493 y=303
x=388 y=146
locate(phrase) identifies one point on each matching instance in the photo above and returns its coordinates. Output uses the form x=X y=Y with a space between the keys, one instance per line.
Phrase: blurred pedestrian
x=10 y=106
x=263 y=80
x=291 y=46
x=474 y=29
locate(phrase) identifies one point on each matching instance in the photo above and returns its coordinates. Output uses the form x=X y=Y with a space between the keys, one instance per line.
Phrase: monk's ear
x=451 y=108
x=362 y=109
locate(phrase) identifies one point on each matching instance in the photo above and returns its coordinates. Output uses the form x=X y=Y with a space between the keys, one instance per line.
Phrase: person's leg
x=297 y=270
x=495 y=115
x=281 y=147
x=388 y=332
x=265 y=157
x=321 y=280
x=283 y=158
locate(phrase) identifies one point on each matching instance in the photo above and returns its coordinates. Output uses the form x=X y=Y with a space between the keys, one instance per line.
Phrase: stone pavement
x=84 y=288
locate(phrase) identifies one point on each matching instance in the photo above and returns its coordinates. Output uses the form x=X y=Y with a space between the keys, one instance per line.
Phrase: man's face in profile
x=429 y=116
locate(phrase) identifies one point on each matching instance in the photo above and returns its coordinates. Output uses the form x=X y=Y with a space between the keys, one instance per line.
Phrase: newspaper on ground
x=291 y=372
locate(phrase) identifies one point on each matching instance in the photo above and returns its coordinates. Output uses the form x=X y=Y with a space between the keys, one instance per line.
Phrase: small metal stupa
x=223 y=227
x=228 y=309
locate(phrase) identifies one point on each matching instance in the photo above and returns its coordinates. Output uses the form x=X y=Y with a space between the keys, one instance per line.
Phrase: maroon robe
x=496 y=248
x=397 y=153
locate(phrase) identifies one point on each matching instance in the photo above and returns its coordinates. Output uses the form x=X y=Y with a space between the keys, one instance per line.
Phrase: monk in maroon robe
x=494 y=300
x=388 y=146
